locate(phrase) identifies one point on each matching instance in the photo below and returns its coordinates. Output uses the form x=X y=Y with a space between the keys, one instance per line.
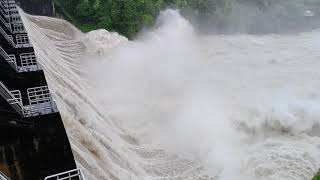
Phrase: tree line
x=128 y=17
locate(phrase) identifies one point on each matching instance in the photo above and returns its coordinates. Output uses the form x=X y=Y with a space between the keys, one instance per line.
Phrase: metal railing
x=12 y=9
x=11 y=59
x=9 y=1
x=8 y=25
x=12 y=6
x=40 y=102
x=17 y=28
x=4 y=10
x=13 y=12
x=7 y=12
x=10 y=12
x=7 y=37
x=4 y=4
x=75 y=174
x=12 y=99
x=16 y=99
x=3 y=176
x=22 y=39
x=14 y=18
x=27 y=61
x=39 y=95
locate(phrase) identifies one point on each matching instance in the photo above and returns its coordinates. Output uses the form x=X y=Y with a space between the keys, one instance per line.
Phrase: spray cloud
x=242 y=105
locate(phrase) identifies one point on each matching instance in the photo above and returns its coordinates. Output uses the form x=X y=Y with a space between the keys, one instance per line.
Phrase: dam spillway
x=33 y=141
x=135 y=95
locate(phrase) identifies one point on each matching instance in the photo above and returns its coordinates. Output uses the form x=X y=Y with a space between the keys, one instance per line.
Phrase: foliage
x=128 y=16
x=124 y=16
x=317 y=177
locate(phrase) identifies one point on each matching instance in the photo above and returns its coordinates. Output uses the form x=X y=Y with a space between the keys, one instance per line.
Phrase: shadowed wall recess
x=37 y=7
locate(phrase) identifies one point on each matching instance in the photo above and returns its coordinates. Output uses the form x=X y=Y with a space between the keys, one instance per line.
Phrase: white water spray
x=176 y=105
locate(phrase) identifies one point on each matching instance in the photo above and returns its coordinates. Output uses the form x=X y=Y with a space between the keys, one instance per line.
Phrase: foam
x=177 y=105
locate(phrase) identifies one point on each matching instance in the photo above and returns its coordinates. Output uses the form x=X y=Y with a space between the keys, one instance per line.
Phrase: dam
x=170 y=105
x=33 y=142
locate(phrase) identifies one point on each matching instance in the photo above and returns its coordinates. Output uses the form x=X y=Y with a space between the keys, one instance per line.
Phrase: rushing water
x=177 y=105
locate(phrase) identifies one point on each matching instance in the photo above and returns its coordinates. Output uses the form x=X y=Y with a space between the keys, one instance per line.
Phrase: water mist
x=174 y=104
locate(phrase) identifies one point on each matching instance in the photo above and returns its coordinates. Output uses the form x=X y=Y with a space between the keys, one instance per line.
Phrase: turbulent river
x=174 y=104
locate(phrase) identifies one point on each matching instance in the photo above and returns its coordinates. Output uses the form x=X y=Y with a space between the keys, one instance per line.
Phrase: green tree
x=128 y=16
x=84 y=11
x=317 y=177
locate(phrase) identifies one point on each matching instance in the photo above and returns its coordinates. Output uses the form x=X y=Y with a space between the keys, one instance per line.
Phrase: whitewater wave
x=177 y=105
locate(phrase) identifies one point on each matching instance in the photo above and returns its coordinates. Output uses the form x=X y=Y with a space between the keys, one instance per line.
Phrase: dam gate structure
x=33 y=141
